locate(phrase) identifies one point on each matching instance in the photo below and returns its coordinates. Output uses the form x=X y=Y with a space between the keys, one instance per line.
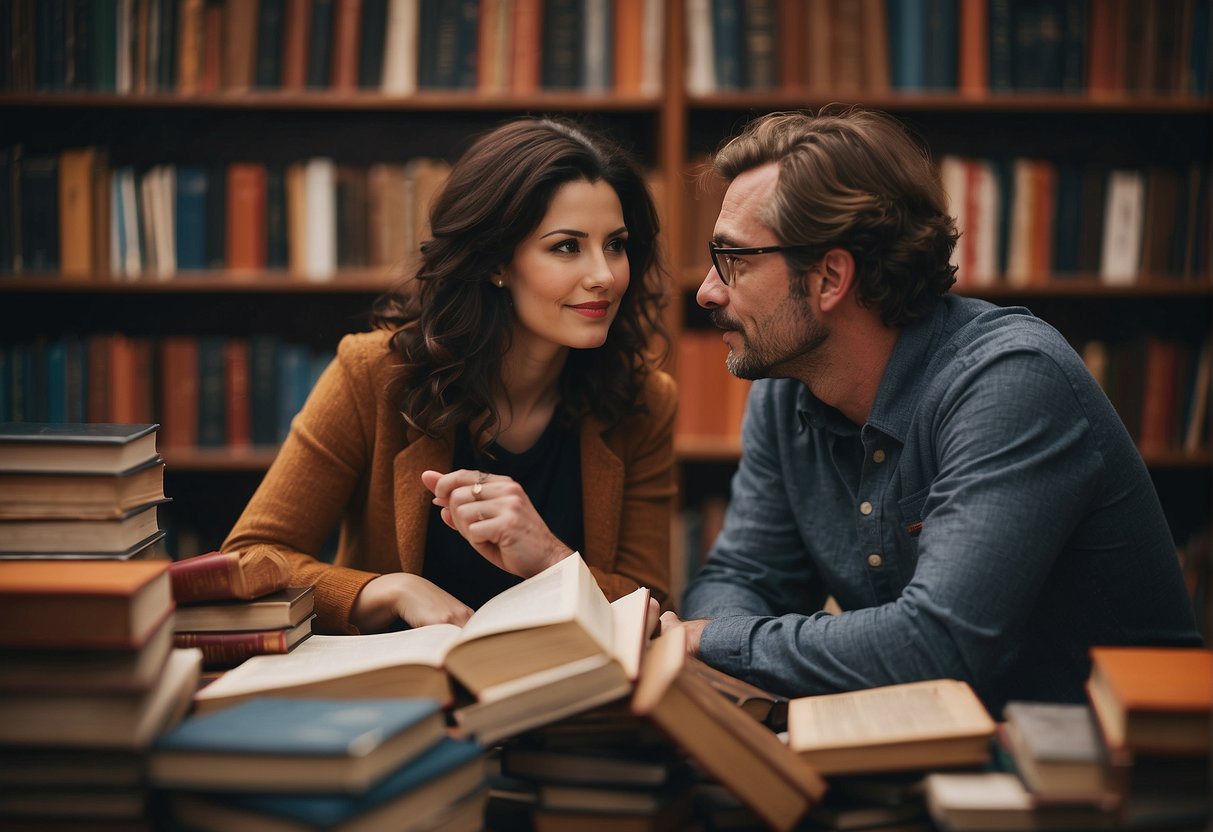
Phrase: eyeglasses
x=724 y=265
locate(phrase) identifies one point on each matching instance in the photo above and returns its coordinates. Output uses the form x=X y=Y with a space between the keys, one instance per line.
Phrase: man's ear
x=835 y=275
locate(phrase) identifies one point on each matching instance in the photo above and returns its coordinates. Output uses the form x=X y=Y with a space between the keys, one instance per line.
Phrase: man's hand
x=693 y=628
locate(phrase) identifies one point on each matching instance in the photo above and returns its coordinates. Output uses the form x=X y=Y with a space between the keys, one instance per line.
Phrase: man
x=946 y=469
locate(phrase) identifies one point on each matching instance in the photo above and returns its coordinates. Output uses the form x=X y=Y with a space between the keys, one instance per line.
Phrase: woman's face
x=568 y=276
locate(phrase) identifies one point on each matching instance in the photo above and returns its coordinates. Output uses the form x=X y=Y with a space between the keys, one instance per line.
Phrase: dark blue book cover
x=293 y=384
x=761 y=64
x=1074 y=45
x=728 y=44
x=447 y=47
x=277 y=243
x=1200 y=47
x=324 y=811
x=6 y=381
x=562 y=32
x=267 y=66
x=39 y=188
x=37 y=387
x=372 y=44
x=320 y=45
x=943 y=45
x=76 y=379
x=8 y=193
x=1067 y=227
x=263 y=388
x=50 y=44
x=212 y=405
x=279 y=726
x=216 y=216
x=82 y=40
x=191 y=211
x=103 y=28
x=1001 y=27
x=907 y=44
x=56 y=381
x=166 y=70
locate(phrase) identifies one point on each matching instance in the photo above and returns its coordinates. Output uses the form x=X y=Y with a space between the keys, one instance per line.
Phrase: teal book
x=728 y=44
x=287 y=745
x=193 y=185
x=438 y=778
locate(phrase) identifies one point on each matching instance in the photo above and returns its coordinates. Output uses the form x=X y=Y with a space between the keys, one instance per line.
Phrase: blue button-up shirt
x=990 y=521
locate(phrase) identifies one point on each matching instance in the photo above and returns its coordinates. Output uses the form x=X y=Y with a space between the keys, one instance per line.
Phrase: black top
x=550 y=473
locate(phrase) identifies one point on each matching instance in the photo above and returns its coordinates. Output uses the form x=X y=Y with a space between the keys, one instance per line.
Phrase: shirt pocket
x=910 y=522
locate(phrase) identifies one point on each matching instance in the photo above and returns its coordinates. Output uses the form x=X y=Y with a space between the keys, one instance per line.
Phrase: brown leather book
x=296 y=30
x=246 y=196
x=347 y=17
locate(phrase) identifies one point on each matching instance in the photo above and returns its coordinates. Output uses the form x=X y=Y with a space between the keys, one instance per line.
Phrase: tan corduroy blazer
x=351 y=460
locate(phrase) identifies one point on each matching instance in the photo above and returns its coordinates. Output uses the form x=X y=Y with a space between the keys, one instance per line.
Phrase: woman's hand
x=496 y=516
x=409 y=597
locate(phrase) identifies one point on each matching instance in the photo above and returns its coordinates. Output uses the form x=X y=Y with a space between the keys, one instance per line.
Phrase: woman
x=502 y=414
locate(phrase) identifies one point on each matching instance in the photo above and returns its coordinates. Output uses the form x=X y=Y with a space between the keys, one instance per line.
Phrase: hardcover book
x=71 y=605
x=284 y=608
x=1153 y=699
x=67 y=494
x=216 y=576
x=1057 y=750
x=106 y=448
x=79 y=535
x=916 y=725
x=730 y=745
x=222 y=650
x=296 y=745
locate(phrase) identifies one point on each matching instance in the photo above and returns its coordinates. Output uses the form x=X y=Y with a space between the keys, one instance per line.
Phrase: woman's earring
x=500 y=283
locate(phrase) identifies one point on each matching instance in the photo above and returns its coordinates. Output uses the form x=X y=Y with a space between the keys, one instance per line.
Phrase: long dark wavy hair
x=451 y=325
x=859 y=180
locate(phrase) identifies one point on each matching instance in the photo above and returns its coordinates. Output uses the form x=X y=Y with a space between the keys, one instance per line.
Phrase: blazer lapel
x=601 y=494
x=412 y=499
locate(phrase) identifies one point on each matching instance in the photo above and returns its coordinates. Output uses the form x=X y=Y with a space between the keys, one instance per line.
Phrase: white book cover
x=984 y=203
x=654 y=47
x=117 y=229
x=122 y=71
x=321 y=197
x=701 y=66
x=165 y=186
x=953 y=176
x=133 y=265
x=596 y=43
x=147 y=199
x=400 y=52
x=1124 y=215
x=1019 y=246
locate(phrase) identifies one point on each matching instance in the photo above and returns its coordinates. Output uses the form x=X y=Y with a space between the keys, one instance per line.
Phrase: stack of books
x=80 y=491
x=329 y=764
x=1135 y=755
x=88 y=678
x=233 y=607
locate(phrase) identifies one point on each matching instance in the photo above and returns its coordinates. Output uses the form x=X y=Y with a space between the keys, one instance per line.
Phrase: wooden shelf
x=959 y=102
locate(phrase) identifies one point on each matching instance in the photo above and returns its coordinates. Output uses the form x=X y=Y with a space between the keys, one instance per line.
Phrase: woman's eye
x=619 y=244
x=567 y=247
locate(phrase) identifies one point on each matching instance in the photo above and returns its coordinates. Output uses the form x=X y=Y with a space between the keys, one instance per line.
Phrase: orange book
x=347 y=18
x=629 y=46
x=246 y=196
x=212 y=48
x=90 y=603
x=875 y=34
x=189 y=46
x=1153 y=700
x=237 y=410
x=239 y=44
x=296 y=25
x=1158 y=398
x=1107 y=47
x=179 y=391
x=76 y=224
x=528 y=39
x=974 y=62
x=789 y=17
x=817 y=50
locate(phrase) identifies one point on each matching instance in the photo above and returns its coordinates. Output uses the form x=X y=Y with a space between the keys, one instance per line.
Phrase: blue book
x=212 y=404
x=412 y=794
x=192 y=189
x=56 y=381
x=294 y=375
x=286 y=745
x=1201 y=46
x=907 y=44
x=728 y=44
x=942 y=45
x=263 y=388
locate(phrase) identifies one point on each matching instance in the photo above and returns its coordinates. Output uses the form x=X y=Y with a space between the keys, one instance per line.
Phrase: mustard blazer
x=351 y=459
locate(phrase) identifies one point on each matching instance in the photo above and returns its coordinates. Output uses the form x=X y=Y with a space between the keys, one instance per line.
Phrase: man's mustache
x=721 y=321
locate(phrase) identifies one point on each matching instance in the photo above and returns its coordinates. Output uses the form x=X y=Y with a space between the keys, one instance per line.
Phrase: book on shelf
x=284 y=608
x=228 y=649
x=916 y=725
x=726 y=742
x=413 y=796
x=997 y=800
x=101 y=448
x=109 y=719
x=1058 y=751
x=75 y=494
x=114 y=536
x=97 y=604
x=543 y=624
x=217 y=576
x=1154 y=700
x=296 y=745
x=87 y=668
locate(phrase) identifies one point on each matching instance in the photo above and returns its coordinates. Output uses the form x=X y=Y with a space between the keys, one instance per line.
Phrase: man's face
x=769 y=328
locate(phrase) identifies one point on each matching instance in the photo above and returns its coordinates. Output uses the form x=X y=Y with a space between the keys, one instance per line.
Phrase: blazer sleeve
x=306 y=489
x=643 y=554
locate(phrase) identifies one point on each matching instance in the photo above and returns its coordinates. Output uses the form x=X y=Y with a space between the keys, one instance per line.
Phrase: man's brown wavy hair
x=854 y=179
x=451 y=325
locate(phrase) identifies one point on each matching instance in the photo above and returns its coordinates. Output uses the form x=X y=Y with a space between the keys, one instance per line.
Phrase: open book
x=554 y=625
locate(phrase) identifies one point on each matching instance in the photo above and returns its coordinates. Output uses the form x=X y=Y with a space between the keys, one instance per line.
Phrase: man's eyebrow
x=724 y=240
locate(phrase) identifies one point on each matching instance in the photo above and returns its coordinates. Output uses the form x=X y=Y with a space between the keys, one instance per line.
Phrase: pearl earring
x=500 y=283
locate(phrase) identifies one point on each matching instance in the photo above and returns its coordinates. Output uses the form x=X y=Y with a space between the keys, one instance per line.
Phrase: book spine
x=228 y=649
x=210 y=577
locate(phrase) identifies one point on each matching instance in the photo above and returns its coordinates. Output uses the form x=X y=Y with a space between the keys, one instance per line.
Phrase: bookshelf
x=1145 y=117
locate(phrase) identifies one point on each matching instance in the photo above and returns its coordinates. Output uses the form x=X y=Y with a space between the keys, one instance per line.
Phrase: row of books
x=833 y=47
x=394 y=46
x=205 y=391
x=73 y=212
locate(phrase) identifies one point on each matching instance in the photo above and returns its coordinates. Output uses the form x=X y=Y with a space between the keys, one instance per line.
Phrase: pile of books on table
x=288 y=763
x=88 y=678
x=80 y=491
x=234 y=606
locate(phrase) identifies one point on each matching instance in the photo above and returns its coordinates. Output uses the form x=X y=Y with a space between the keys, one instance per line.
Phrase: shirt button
x=865 y=508
x=874 y=560
x=878 y=456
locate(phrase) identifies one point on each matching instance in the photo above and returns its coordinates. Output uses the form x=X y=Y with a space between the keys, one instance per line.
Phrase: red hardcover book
x=212 y=48
x=246 y=198
x=179 y=391
x=347 y=17
x=223 y=650
x=296 y=27
x=218 y=576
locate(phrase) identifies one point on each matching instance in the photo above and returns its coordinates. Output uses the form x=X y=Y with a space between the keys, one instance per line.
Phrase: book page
x=629 y=614
x=918 y=710
x=330 y=657
x=545 y=598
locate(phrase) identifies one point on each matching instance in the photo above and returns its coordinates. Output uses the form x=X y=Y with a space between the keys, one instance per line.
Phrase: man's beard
x=791 y=333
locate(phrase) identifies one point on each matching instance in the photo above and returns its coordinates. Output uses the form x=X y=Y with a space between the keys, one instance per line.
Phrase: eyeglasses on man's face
x=724 y=258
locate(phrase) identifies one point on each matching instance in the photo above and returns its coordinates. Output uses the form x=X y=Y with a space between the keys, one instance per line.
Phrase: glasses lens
x=721 y=264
